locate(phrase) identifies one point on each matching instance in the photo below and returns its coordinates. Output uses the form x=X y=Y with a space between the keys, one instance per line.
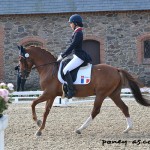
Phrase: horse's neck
x=42 y=57
x=47 y=68
x=43 y=61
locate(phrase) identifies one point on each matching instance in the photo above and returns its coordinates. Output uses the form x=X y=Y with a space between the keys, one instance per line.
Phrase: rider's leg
x=71 y=91
x=74 y=63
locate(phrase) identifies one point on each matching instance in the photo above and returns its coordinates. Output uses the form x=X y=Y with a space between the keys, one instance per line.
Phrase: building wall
x=2 y=35
x=120 y=35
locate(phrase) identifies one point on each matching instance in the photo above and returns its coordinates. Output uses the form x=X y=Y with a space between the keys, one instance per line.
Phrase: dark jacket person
x=20 y=81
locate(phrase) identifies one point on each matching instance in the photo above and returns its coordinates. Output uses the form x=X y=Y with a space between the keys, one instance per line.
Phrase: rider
x=79 y=55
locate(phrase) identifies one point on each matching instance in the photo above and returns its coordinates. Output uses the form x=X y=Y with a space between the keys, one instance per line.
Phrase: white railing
x=28 y=96
x=25 y=96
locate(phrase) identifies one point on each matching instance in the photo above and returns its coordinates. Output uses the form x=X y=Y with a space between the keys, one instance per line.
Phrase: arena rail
x=28 y=96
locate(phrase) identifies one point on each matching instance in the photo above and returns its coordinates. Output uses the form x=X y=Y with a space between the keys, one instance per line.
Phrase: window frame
x=145 y=60
x=140 y=49
x=145 y=47
x=33 y=43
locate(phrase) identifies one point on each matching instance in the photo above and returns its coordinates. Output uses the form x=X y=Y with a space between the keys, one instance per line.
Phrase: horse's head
x=25 y=62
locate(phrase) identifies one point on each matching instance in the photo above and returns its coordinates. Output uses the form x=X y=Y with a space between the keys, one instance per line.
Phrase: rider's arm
x=75 y=42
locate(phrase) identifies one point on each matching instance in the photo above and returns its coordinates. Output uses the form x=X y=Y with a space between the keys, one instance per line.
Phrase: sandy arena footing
x=105 y=132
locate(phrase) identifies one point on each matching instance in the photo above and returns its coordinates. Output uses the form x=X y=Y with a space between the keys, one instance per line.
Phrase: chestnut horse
x=106 y=81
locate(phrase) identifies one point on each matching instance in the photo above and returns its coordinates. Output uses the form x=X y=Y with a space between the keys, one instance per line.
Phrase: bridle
x=25 y=73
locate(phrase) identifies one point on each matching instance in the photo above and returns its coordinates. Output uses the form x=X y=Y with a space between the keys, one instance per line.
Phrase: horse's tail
x=134 y=86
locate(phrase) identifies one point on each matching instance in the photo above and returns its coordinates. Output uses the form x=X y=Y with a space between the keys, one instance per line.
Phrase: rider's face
x=72 y=26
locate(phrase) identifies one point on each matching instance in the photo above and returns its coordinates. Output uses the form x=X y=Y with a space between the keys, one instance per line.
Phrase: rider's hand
x=59 y=58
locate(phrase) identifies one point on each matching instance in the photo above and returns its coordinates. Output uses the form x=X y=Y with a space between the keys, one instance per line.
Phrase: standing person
x=79 y=55
x=20 y=81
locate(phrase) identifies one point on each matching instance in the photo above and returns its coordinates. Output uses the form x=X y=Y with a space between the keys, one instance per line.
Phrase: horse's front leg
x=34 y=103
x=41 y=124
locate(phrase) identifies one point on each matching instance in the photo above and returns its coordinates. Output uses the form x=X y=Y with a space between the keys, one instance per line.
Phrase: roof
x=66 y=6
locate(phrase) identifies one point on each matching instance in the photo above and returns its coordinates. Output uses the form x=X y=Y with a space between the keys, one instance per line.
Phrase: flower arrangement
x=5 y=90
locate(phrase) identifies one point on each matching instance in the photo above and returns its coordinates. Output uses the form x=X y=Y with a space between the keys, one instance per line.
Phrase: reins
x=53 y=70
x=45 y=64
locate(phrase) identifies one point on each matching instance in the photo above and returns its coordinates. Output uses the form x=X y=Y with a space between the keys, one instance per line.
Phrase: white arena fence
x=28 y=96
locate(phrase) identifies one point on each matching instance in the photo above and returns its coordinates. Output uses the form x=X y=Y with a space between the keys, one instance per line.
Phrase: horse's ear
x=18 y=47
x=22 y=49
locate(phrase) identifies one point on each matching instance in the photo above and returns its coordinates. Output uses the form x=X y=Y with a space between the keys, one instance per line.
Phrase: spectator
x=20 y=81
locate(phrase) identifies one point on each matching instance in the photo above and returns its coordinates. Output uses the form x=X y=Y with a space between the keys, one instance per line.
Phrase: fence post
x=3 y=126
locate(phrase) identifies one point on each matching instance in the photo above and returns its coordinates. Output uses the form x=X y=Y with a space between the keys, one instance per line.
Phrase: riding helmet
x=76 y=19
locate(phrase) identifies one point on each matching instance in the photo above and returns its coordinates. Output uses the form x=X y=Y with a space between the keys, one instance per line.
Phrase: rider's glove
x=59 y=58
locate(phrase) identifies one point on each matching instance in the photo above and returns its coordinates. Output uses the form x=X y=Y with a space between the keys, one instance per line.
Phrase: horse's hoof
x=38 y=134
x=127 y=130
x=78 y=131
x=39 y=123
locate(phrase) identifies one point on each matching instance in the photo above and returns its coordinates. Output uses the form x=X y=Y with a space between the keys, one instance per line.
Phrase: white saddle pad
x=83 y=75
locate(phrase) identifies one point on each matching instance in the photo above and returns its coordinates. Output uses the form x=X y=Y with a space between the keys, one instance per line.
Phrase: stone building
x=115 y=32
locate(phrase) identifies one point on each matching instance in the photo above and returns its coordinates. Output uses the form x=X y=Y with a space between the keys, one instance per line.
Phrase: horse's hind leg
x=124 y=108
x=96 y=110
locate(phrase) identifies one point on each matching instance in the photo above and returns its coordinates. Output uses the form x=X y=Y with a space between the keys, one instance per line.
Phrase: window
x=147 y=49
x=143 y=47
x=92 y=47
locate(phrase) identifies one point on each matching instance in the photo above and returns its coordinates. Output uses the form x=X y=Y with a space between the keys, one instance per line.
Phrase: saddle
x=73 y=72
x=80 y=75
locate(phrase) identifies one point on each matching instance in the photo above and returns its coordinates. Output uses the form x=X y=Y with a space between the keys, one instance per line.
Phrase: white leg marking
x=84 y=125
x=129 y=125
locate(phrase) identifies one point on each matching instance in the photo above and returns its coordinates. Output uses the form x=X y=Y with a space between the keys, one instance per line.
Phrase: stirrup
x=70 y=95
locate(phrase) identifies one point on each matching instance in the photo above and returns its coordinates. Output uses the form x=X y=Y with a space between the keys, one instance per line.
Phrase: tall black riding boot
x=69 y=81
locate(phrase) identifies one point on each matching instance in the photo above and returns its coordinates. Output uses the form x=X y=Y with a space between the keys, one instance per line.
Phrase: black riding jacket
x=76 y=47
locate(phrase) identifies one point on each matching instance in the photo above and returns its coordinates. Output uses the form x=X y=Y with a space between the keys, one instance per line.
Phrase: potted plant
x=5 y=97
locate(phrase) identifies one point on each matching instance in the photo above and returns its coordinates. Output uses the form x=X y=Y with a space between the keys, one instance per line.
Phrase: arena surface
x=105 y=132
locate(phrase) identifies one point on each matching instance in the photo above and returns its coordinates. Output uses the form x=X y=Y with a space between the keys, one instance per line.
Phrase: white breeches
x=74 y=63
